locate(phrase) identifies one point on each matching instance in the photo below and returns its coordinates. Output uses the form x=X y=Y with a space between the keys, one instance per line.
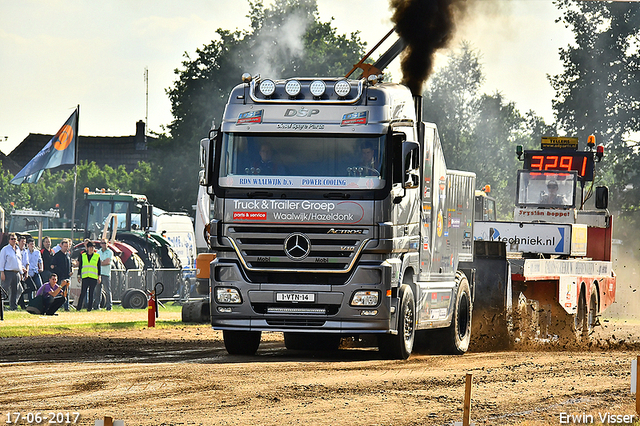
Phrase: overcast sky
x=56 y=54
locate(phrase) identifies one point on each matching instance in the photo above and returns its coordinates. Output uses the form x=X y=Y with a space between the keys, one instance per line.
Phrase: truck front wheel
x=241 y=342
x=399 y=346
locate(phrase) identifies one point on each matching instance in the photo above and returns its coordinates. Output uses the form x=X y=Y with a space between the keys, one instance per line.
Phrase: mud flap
x=391 y=271
x=493 y=295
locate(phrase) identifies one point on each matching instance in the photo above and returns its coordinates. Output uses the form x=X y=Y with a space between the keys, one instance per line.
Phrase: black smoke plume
x=426 y=26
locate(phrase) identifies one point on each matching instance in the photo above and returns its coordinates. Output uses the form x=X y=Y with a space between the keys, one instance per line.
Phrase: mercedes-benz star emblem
x=297 y=246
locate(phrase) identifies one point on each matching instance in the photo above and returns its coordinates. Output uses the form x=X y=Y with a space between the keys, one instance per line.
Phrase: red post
x=151 y=310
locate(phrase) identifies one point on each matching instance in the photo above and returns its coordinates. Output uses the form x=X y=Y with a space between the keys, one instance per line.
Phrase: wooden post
x=467 y=401
x=108 y=421
x=638 y=385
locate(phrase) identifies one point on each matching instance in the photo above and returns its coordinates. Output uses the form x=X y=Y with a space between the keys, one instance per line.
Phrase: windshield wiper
x=337 y=195
x=260 y=194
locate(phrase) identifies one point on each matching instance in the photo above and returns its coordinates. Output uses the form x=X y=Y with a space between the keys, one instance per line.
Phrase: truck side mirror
x=146 y=216
x=410 y=164
x=602 y=197
x=206 y=160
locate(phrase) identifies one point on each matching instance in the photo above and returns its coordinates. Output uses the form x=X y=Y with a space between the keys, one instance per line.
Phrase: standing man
x=88 y=275
x=61 y=265
x=33 y=282
x=47 y=255
x=11 y=267
x=105 y=275
x=24 y=252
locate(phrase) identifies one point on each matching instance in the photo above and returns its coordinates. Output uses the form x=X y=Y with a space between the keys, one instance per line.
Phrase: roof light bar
x=317 y=88
x=342 y=88
x=292 y=87
x=267 y=87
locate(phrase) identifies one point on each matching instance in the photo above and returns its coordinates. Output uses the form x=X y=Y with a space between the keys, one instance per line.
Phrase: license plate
x=295 y=297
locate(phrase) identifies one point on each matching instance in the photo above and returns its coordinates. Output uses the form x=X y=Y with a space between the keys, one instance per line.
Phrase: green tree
x=479 y=132
x=599 y=90
x=54 y=190
x=286 y=39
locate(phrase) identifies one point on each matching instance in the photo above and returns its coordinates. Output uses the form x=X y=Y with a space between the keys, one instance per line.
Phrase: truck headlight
x=228 y=295
x=365 y=298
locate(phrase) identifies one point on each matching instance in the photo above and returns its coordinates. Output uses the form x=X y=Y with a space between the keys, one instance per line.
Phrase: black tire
x=135 y=299
x=134 y=262
x=312 y=341
x=241 y=342
x=592 y=317
x=581 y=321
x=124 y=299
x=399 y=346
x=455 y=338
x=103 y=299
x=169 y=258
x=118 y=278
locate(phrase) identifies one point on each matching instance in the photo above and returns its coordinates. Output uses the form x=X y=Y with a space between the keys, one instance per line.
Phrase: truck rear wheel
x=593 y=312
x=399 y=346
x=581 y=320
x=455 y=338
x=241 y=342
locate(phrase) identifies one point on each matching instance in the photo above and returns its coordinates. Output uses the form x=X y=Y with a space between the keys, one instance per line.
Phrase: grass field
x=21 y=323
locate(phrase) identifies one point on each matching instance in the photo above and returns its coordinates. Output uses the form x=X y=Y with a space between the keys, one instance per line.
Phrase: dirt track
x=184 y=376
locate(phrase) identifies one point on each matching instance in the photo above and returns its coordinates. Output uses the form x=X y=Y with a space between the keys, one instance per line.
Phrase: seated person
x=368 y=160
x=265 y=165
x=553 y=197
x=53 y=295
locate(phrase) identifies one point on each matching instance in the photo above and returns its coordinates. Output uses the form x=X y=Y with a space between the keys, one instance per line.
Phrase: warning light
x=591 y=141
x=600 y=152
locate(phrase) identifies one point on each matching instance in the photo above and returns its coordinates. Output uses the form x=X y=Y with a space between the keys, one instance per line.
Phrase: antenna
x=146 y=114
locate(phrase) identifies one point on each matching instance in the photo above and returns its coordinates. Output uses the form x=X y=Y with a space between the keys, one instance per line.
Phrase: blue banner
x=59 y=150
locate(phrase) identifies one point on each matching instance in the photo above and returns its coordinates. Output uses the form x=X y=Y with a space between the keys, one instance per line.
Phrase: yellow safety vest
x=90 y=266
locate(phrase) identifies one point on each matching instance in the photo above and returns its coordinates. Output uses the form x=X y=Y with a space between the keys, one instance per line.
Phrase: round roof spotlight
x=246 y=77
x=342 y=88
x=317 y=88
x=373 y=79
x=380 y=78
x=292 y=87
x=267 y=87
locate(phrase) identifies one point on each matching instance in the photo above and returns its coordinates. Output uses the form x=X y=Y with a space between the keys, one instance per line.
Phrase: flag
x=59 y=150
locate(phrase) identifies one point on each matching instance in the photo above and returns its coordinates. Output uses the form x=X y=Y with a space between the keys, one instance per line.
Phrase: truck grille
x=293 y=249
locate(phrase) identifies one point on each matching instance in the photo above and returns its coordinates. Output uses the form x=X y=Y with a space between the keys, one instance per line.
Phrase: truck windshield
x=546 y=189
x=302 y=161
x=99 y=211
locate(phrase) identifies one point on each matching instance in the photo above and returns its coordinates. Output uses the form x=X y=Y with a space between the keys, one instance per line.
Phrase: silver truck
x=335 y=216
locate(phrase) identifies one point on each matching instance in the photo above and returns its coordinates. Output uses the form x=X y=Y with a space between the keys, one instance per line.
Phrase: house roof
x=111 y=150
x=9 y=164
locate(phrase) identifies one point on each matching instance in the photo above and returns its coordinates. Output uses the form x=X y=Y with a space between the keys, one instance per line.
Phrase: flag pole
x=75 y=176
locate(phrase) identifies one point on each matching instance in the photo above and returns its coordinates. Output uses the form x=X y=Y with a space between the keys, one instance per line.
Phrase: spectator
x=53 y=295
x=47 y=255
x=33 y=281
x=11 y=267
x=105 y=275
x=22 y=246
x=58 y=246
x=61 y=265
x=88 y=275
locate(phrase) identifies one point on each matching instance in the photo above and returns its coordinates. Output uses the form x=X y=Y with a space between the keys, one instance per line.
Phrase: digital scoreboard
x=561 y=161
